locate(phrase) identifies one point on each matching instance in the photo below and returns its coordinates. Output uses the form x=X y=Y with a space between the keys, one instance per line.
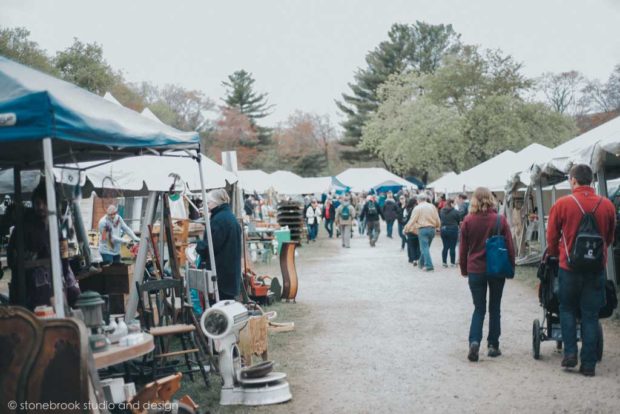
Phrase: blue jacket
x=226 y=234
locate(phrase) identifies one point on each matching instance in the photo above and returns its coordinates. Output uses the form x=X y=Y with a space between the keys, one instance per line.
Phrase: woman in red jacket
x=478 y=226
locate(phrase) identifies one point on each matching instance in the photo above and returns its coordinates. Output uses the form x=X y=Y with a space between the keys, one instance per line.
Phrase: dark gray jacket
x=450 y=216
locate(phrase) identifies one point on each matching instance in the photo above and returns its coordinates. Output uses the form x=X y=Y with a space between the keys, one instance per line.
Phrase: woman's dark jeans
x=478 y=286
x=449 y=237
x=413 y=247
x=403 y=238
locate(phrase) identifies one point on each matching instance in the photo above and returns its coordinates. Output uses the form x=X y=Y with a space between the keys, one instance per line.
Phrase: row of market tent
x=352 y=179
x=530 y=181
x=508 y=171
x=54 y=131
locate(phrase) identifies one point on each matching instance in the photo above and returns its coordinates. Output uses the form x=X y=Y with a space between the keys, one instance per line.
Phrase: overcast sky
x=303 y=52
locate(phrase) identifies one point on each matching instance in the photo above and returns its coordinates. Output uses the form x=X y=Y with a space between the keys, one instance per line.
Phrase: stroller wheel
x=599 y=342
x=536 y=339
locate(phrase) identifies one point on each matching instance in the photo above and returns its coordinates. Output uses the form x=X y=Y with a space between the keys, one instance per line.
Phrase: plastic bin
x=282 y=235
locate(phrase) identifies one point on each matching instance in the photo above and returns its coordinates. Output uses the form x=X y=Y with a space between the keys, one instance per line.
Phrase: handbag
x=498 y=260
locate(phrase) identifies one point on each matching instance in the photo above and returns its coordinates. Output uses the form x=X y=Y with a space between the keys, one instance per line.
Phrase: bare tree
x=563 y=91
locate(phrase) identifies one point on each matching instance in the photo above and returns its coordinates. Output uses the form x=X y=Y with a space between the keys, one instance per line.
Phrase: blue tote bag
x=498 y=260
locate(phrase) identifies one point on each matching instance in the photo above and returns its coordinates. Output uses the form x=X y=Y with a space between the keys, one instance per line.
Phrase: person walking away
x=478 y=226
x=344 y=220
x=581 y=228
x=111 y=228
x=424 y=221
x=226 y=237
x=402 y=220
x=413 y=242
x=390 y=213
x=361 y=223
x=329 y=214
x=450 y=220
x=313 y=217
x=371 y=214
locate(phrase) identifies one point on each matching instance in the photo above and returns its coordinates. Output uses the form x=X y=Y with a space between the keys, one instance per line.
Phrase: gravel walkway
x=376 y=335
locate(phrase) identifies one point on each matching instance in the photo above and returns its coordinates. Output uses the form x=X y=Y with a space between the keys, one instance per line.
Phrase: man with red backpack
x=581 y=227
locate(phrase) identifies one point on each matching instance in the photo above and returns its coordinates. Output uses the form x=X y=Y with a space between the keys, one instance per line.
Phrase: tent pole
x=20 y=279
x=161 y=234
x=542 y=236
x=212 y=273
x=138 y=270
x=601 y=180
x=52 y=218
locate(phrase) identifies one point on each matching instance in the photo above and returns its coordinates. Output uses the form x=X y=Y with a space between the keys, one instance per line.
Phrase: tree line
x=305 y=143
x=423 y=104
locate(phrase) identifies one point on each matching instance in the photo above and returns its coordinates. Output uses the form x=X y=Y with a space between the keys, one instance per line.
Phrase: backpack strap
x=497 y=225
x=600 y=200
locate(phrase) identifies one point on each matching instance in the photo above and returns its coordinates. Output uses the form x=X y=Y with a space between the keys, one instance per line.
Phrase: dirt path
x=377 y=335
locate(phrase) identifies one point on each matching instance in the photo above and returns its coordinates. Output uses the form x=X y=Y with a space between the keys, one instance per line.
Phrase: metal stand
x=138 y=273
x=59 y=298
x=542 y=236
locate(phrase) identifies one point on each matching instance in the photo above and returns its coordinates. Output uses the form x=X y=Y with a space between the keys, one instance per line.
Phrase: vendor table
x=117 y=354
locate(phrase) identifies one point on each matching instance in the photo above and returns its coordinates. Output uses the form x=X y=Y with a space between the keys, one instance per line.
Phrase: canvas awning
x=365 y=179
x=82 y=125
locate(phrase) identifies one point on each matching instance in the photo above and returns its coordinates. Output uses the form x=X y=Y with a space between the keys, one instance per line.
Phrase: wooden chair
x=45 y=360
x=162 y=320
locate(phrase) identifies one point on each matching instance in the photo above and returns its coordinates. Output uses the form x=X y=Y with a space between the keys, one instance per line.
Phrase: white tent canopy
x=316 y=185
x=492 y=173
x=254 y=181
x=588 y=148
x=529 y=156
x=286 y=182
x=110 y=98
x=448 y=180
x=363 y=179
x=154 y=173
x=147 y=113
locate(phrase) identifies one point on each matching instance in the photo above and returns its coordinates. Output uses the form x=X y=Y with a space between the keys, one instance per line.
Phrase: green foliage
x=16 y=45
x=240 y=95
x=466 y=112
x=417 y=48
x=84 y=65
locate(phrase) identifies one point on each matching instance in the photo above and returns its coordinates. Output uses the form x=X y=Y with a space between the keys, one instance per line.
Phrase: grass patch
x=279 y=351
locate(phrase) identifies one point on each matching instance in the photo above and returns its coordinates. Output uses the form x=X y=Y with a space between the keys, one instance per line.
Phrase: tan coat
x=423 y=215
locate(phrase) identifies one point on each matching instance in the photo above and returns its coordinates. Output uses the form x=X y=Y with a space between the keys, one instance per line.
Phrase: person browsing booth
x=581 y=227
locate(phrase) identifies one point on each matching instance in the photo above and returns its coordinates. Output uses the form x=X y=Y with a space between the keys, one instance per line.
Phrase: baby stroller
x=548 y=295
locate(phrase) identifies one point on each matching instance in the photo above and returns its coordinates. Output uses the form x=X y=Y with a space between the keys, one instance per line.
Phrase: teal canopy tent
x=82 y=125
x=46 y=121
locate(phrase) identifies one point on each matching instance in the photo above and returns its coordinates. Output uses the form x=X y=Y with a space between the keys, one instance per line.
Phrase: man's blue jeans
x=478 y=283
x=586 y=293
x=426 y=235
x=390 y=227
